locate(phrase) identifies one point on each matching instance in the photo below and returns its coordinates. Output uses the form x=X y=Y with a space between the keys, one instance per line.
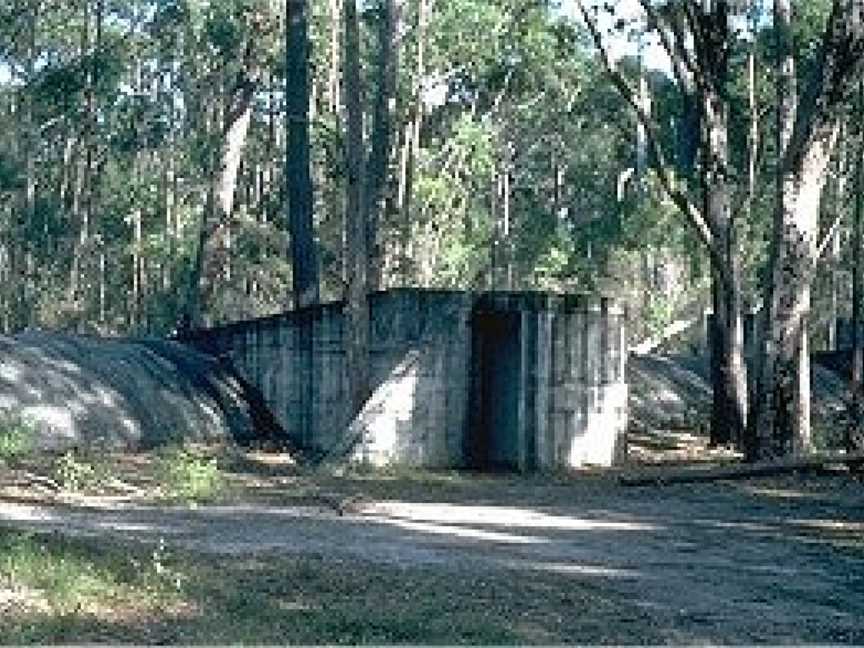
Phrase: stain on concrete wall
x=517 y=380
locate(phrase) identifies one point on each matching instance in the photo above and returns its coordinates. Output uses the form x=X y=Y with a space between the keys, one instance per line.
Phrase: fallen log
x=743 y=471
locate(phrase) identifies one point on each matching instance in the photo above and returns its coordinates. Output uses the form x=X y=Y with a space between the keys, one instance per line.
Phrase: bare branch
x=826 y=239
x=691 y=213
x=675 y=48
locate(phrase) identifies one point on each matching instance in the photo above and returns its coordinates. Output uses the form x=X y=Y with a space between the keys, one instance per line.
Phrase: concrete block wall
x=420 y=355
x=520 y=380
x=572 y=394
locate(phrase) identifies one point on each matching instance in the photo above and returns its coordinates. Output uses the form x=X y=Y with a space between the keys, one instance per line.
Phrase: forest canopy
x=168 y=164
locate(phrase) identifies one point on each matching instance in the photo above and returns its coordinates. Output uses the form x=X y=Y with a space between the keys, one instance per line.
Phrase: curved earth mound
x=670 y=405
x=81 y=390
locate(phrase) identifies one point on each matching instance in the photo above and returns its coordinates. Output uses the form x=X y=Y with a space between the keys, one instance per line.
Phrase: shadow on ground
x=778 y=561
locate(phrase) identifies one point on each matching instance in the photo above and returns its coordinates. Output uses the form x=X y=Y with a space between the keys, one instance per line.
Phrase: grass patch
x=85 y=591
x=59 y=589
x=77 y=472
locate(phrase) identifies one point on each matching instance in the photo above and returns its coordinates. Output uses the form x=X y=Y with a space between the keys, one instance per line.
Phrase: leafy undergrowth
x=176 y=473
x=55 y=589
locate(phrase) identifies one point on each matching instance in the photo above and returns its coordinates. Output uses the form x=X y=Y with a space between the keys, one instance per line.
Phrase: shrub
x=76 y=473
x=186 y=474
x=17 y=435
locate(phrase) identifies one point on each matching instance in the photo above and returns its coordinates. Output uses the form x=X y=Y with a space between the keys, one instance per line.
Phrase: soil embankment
x=80 y=390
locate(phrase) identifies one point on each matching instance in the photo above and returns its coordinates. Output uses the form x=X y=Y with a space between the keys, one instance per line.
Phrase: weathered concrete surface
x=80 y=390
x=515 y=380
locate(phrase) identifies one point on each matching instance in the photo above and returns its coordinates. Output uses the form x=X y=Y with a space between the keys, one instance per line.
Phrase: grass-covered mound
x=68 y=390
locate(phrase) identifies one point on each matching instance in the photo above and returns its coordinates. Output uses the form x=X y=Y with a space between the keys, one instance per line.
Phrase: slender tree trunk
x=506 y=218
x=837 y=210
x=217 y=213
x=404 y=240
x=334 y=86
x=137 y=245
x=729 y=379
x=746 y=224
x=382 y=120
x=297 y=167
x=854 y=440
x=415 y=126
x=357 y=308
x=23 y=275
x=644 y=100
x=85 y=194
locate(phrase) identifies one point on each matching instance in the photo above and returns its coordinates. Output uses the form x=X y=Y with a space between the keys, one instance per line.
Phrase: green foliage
x=188 y=475
x=658 y=314
x=17 y=435
x=78 y=472
x=520 y=94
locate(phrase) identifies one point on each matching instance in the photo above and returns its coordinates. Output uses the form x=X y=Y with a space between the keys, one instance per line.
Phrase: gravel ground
x=775 y=561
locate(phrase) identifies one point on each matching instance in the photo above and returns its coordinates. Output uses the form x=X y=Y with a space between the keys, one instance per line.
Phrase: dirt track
x=778 y=562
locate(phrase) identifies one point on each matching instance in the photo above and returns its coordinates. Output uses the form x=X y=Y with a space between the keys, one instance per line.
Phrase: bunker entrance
x=497 y=371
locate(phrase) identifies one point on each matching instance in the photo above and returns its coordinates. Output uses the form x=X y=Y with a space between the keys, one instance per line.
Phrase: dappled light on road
x=457 y=531
x=444 y=513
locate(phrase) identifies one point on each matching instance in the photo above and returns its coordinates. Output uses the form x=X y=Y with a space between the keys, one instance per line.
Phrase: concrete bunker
x=516 y=380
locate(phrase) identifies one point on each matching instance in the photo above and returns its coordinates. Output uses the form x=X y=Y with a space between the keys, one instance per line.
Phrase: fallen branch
x=743 y=471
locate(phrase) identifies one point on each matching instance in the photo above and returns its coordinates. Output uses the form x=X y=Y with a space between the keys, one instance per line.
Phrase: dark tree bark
x=297 y=166
x=729 y=405
x=357 y=308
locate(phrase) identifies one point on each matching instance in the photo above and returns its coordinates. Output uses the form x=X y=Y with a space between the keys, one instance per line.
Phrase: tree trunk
x=808 y=133
x=23 y=276
x=297 y=167
x=761 y=442
x=506 y=218
x=357 y=308
x=854 y=440
x=404 y=238
x=382 y=120
x=217 y=213
x=729 y=372
x=665 y=476
x=413 y=134
x=89 y=46
x=334 y=89
x=137 y=245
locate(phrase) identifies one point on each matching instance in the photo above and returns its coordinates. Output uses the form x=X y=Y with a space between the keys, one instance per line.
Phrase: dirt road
x=778 y=562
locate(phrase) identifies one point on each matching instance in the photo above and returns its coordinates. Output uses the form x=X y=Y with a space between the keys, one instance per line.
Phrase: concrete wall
x=572 y=394
x=518 y=380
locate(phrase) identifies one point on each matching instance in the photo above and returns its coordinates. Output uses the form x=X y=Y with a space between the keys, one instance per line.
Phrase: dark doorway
x=497 y=368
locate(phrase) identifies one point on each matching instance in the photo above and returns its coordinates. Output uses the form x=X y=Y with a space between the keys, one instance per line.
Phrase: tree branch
x=691 y=213
x=676 y=48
